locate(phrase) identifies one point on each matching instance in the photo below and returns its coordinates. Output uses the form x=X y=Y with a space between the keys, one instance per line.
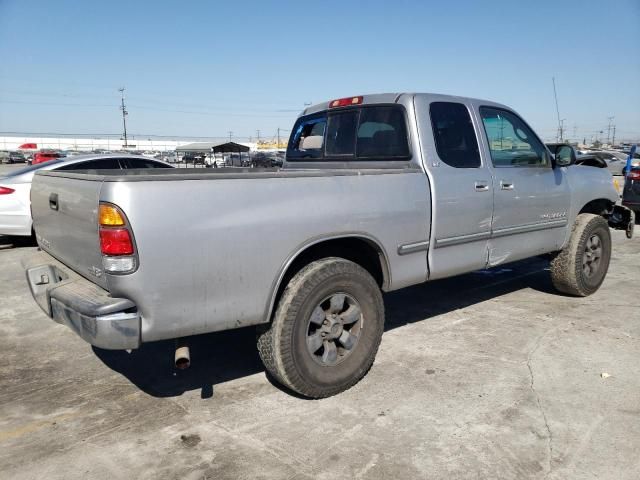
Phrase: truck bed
x=213 y=244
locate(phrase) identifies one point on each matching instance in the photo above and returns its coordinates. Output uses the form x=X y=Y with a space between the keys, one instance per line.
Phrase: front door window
x=511 y=142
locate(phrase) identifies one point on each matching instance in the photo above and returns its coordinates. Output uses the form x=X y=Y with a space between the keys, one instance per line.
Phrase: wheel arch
x=360 y=248
x=598 y=206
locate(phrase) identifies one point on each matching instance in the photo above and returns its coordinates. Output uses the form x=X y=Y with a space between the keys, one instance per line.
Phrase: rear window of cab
x=364 y=133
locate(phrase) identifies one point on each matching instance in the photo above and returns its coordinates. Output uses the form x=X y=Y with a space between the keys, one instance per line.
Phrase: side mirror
x=565 y=156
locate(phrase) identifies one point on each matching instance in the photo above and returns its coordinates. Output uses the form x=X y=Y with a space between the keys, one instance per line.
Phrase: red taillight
x=115 y=241
x=633 y=175
x=6 y=190
x=345 y=102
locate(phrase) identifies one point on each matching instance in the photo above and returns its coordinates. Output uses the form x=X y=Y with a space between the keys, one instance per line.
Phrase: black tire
x=283 y=345
x=579 y=269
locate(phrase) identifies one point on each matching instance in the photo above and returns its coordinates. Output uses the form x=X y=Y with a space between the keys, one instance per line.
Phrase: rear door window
x=456 y=141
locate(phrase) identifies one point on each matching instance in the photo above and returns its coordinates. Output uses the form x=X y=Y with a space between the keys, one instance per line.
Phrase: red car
x=45 y=156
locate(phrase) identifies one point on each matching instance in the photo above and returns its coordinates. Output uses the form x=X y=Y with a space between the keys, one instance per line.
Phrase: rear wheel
x=326 y=329
x=580 y=268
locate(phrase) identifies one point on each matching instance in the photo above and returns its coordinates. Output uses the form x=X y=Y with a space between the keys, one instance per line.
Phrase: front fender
x=587 y=184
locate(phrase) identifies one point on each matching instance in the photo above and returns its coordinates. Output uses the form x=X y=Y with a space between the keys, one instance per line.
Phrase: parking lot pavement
x=490 y=375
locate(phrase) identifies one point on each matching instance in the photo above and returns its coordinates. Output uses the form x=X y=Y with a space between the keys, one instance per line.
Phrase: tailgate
x=65 y=219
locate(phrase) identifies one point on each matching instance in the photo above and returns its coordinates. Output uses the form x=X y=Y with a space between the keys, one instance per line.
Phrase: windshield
x=32 y=168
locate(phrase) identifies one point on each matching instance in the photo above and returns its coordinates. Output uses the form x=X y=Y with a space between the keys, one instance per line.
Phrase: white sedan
x=15 y=187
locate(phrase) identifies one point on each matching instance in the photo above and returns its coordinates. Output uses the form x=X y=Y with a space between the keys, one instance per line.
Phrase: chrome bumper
x=88 y=310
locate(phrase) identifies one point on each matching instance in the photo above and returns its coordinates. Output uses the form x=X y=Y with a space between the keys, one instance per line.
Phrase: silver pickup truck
x=377 y=193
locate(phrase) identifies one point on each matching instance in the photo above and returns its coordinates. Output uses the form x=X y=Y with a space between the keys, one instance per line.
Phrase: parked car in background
x=14 y=157
x=265 y=160
x=631 y=191
x=197 y=158
x=15 y=188
x=616 y=163
x=635 y=161
x=46 y=156
x=170 y=157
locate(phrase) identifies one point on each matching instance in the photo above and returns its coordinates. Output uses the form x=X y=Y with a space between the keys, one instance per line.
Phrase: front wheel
x=580 y=268
x=326 y=330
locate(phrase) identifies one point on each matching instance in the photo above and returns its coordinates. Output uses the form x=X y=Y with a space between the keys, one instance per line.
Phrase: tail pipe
x=182 y=358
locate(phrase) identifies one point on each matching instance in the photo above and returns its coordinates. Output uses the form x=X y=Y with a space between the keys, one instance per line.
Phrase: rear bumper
x=88 y=310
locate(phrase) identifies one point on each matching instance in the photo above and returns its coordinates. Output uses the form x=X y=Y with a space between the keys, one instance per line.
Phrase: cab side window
x=456 y=141
x=511 y=142
x=307 y=139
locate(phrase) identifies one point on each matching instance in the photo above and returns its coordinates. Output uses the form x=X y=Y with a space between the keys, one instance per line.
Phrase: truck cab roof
x=378 y=98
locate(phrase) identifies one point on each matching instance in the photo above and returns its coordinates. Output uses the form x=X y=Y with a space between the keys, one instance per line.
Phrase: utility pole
x=609 y=128
x=613 y=140
x=561 y=130
x=230 y=135
x=555 y=96
x=124 y=114
x=278 y=144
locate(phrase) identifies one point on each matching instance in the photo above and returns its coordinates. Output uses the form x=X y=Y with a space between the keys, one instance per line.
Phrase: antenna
x=124 y=114
x=555 y=95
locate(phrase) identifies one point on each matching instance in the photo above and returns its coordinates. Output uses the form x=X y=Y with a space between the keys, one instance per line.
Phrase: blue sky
x=199 y=68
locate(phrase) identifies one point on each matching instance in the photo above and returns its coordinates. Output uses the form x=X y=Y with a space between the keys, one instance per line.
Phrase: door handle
x=482 y=186
x=53 y=201
x=506 y=185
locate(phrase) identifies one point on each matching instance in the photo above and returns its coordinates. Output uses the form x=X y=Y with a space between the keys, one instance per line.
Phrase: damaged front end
x=622 y=218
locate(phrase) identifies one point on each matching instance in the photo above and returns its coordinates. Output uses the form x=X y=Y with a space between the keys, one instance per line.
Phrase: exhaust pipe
x=182 y=357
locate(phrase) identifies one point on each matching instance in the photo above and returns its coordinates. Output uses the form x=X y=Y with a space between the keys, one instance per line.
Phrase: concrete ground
x=488 y=375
